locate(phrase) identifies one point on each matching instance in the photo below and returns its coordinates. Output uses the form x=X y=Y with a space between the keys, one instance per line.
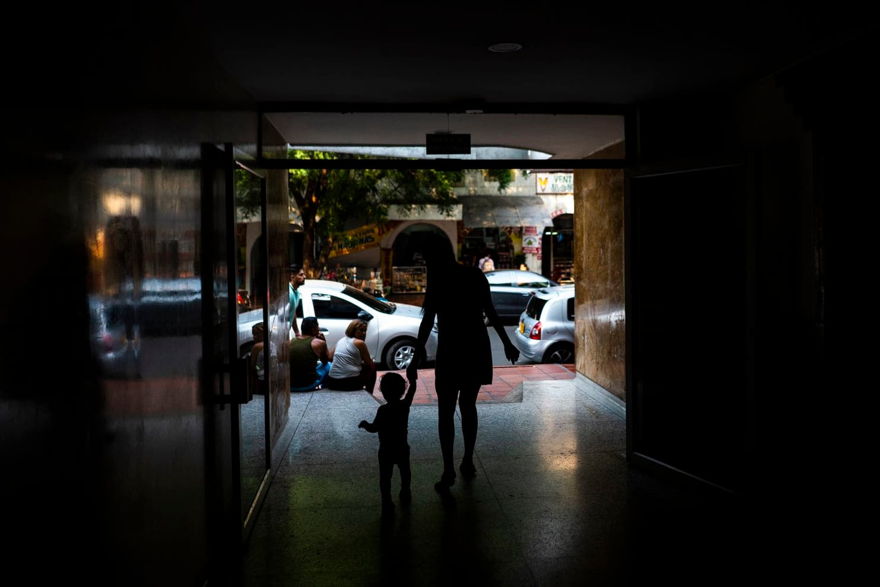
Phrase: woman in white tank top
x=353 y=368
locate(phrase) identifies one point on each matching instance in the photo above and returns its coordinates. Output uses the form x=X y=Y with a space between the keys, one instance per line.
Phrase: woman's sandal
x=446 y=481
x=468 y=470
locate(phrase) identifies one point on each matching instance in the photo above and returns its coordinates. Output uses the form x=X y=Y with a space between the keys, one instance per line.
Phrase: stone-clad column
x=600 y=321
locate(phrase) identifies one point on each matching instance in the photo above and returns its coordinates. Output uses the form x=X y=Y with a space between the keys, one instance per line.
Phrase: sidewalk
x=506 y=382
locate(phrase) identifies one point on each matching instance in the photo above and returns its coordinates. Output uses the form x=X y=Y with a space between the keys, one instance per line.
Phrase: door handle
x=239 y=391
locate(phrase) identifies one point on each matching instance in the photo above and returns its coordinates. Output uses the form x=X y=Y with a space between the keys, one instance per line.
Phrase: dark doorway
x=409 y=241
x=557 y=246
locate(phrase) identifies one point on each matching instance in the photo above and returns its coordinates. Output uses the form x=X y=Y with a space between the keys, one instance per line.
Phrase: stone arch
x=406 y=240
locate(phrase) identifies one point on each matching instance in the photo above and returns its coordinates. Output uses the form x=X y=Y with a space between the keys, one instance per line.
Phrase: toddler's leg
x=386 y=469
x=405 y=477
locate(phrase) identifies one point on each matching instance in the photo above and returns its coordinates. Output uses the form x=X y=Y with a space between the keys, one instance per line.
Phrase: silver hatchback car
x=546 y=326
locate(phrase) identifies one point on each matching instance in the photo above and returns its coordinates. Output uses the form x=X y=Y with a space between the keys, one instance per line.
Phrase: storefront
x=384 y=260
x=402 y=258
x=533 y=232
x=516 y=231
x=557 y=247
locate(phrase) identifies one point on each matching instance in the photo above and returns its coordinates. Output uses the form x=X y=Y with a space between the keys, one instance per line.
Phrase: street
x=498 y=357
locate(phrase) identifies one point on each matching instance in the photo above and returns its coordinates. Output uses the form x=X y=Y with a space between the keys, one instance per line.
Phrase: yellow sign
x=352 y=241
x=554 y=183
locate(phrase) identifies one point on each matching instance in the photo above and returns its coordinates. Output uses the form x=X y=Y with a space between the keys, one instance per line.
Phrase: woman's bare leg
x=446 y=400
x=467 y=405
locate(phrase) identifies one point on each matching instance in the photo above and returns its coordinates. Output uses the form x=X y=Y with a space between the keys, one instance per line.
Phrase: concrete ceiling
x=427 y=53
x=435 y=58
x=388 y=73
x=563 y=136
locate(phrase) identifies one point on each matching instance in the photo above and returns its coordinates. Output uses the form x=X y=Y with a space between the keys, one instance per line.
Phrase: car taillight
x=535 y=332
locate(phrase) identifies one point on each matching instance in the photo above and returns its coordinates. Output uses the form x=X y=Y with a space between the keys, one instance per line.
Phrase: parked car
x=511 y=289
x=391 y=337
x=115 y=337
x=170 y=306
x=546 y=326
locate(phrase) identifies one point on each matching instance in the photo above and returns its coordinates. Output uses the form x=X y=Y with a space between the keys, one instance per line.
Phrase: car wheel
x=399 y=354
x=559 y=353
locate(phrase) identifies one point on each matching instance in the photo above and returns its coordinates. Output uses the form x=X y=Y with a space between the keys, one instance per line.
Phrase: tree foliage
x=330 y=199
x=247 y=194
x=504 y=177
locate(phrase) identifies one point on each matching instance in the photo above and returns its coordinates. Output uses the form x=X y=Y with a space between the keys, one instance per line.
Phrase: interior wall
x=814 y=240
x=104 y=453
x=111 y=440
x=805 y=138
x=104 y=458
x=600 y=318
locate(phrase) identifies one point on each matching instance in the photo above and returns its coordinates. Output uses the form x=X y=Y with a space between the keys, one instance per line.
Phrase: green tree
x=247 y=194
x=329 y=198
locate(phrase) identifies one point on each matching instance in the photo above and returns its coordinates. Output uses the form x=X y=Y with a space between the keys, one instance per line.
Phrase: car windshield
x=365 y=298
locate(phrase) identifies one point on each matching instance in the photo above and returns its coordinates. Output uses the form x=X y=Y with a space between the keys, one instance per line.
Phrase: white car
x=511 y=289
x=546 y=326
x=391 y=336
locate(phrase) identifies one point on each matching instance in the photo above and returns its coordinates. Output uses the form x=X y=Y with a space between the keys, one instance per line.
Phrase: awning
x=491 y=210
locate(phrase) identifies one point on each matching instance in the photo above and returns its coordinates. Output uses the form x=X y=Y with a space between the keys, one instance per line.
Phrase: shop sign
x=531 y=240
x=352 y=241
x=554 y=183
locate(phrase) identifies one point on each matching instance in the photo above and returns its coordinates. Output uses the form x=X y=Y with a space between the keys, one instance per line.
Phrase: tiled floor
x=554 y=502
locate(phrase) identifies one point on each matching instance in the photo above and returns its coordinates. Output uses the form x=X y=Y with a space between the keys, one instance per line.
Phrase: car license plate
x=522 y=327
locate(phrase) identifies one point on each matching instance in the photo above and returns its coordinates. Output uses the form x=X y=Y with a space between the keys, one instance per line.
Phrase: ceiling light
x=505 y=47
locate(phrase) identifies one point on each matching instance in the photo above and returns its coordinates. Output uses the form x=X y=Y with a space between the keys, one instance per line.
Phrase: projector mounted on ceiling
x=447 y=143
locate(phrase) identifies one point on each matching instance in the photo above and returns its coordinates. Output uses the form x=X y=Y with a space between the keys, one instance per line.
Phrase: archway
x=408 y=275
x=404 y=251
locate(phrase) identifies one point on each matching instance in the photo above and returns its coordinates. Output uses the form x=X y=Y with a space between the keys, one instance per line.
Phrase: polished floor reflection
x=553 y=503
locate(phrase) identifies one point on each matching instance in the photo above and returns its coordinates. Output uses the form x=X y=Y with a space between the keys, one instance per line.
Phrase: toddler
x=391 y=422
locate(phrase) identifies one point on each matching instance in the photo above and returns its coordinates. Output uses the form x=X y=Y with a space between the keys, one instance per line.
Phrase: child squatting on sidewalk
x=391 y=422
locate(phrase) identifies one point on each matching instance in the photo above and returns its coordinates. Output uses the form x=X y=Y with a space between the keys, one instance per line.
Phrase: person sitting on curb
x=256 y=367
x=353 y=367
x=309 y=358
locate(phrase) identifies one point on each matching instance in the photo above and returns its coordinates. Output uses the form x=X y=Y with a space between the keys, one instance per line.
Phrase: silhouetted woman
x=458 y=296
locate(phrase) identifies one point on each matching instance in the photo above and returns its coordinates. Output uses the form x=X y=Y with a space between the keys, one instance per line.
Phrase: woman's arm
x=364 y=351
x=425 y=327
x=510 y=351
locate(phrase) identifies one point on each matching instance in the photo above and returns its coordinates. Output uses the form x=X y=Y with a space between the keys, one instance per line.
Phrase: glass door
x=220 y=367
x=251 y=277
